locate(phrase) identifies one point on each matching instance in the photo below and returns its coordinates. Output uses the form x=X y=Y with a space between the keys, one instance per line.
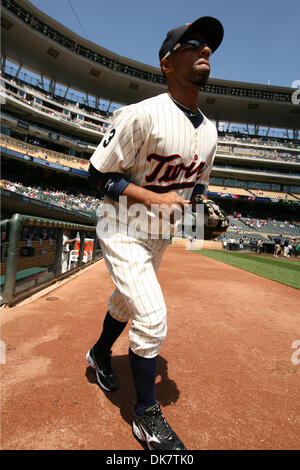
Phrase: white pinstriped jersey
x=156 y=146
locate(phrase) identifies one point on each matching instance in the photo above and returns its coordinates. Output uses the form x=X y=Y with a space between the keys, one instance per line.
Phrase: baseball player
x=66 y=251
x=159 y=151
x=277 y=249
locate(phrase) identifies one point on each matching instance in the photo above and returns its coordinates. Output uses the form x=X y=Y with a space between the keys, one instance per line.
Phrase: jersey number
x=111 y=134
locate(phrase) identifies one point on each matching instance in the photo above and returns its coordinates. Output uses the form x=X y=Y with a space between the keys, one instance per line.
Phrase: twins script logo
x=167 y=170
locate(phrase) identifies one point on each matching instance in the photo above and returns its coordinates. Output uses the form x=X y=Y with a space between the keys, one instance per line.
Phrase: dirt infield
x=226 y=378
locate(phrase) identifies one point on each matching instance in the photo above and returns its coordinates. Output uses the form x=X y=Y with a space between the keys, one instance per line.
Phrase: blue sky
x=261 y=41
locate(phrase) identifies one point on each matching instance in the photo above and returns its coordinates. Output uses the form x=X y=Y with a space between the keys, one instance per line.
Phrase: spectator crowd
x=68 y=197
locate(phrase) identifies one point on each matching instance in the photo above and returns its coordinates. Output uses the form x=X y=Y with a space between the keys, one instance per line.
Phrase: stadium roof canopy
x=35 y=41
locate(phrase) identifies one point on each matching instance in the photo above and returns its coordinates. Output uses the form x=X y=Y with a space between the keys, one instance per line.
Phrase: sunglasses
x=189 y=44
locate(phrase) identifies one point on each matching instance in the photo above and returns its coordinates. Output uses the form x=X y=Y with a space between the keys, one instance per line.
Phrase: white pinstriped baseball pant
x=133 y=264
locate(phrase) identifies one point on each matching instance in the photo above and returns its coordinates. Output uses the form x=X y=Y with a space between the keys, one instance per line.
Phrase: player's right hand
x=171 y=199
x=170 y=205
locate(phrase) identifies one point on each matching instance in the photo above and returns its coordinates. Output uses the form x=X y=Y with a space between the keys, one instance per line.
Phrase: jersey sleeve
x=205 y=175
x=120 y=144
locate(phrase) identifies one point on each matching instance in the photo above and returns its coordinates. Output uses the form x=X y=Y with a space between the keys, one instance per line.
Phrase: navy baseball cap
x=211 y=29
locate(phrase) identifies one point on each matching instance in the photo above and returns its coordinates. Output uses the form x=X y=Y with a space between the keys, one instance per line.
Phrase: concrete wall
x=197 y=245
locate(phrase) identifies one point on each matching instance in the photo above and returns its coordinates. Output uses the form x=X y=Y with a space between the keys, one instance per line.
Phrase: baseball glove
x=215 y=219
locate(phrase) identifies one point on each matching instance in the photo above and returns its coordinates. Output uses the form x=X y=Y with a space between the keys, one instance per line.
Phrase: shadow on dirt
x=167 y=392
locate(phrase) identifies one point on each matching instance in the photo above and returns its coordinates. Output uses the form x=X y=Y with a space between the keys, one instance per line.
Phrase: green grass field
x=284 y=271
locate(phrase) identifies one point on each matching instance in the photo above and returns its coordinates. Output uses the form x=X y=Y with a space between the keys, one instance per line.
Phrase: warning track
x=228 y=377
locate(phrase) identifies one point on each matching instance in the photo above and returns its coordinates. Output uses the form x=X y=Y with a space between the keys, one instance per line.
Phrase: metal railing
x=33 y=255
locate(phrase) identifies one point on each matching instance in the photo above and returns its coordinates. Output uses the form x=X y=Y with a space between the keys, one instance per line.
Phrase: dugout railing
x=33 y=256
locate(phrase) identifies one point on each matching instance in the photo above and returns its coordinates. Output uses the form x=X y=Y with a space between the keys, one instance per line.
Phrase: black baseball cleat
x=153 y=428
x=105 y=374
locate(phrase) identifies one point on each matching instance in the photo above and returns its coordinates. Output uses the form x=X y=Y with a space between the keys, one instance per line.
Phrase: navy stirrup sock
x=144 y=373
x=111 y=331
